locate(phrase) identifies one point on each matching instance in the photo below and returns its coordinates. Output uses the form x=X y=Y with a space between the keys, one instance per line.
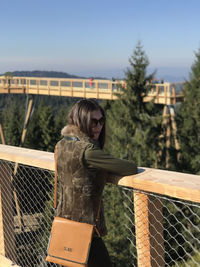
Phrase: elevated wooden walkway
x=165 y=93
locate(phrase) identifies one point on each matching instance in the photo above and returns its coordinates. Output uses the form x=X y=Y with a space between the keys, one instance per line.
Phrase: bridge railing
x=160 y=213
x=165 y=93
x=104 y=89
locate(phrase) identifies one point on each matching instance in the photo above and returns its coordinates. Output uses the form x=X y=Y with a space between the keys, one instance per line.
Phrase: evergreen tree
x=41 y=133
x=189 y=121
x=134 y=126
x=192 y=262
x=60 y=120
x=119 y=217
x=46 y=123
x=12 y=121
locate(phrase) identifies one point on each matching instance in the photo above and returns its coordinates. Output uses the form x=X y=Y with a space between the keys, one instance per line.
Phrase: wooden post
x=164 y=126
x=7 y=235
x=2 y=136
x=149 y=231
x=174 y=130
x=156 y=232
x=71 y=85
x=167 y=127
x=15 y=82
x=38 y=86
x=21 y=223
x=23 y=85
x=59 y=83
x=97 y=88
x=165 y=94
x=111 y=92
x=174 y=94
x=157 y=94
x=84 y=90
x=168 y=142
x=142 y=229
x=48 y=86
x=16 y=165
x=27 y=86
x=26 y=120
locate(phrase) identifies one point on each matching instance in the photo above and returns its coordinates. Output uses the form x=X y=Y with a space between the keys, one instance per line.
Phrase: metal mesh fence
x=173 y=228
x=28 y=196
x=168 y=231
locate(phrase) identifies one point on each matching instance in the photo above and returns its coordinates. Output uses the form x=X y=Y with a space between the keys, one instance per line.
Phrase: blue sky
x=97 y=38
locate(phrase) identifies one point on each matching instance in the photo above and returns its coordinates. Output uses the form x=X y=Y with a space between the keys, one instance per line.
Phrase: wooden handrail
x=4 y=262
x=174 y=184
x=31 y=157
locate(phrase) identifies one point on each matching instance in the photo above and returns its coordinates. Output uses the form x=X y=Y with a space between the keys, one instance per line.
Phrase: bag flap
x=70 y=240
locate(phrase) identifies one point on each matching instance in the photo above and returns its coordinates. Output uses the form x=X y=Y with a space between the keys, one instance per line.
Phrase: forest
x=135 y=131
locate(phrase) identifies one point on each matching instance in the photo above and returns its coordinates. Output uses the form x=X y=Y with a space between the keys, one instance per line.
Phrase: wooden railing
x=167 y=183
x=166 y=93
x=4 y=262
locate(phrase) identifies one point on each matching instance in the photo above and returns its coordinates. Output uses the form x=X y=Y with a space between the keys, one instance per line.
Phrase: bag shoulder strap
x=56 y=182
x=56 y=176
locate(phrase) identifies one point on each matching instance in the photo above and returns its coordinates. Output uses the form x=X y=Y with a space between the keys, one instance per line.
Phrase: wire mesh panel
x=28 y=196
x=172 y=227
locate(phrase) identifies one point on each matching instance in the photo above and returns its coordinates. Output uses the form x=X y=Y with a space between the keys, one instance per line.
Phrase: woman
x=83 y=169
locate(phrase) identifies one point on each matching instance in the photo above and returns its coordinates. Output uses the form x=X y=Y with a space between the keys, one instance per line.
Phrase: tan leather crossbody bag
x=70 y=241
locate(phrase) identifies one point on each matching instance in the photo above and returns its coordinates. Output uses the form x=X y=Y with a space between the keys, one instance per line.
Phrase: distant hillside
x=46 y=74
x=49 y=74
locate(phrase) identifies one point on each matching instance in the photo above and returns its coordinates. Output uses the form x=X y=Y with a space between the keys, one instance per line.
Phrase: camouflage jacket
x=80 y=188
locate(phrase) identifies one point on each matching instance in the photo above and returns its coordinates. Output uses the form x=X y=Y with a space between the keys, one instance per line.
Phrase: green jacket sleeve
x=96 y=158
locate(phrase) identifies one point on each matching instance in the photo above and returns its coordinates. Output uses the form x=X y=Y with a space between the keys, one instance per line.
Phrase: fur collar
x=74 y=131
x=71 y=130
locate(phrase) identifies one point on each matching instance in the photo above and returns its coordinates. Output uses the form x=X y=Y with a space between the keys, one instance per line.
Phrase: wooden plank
x=27 y=156
x=169 y=183
x=4 y=262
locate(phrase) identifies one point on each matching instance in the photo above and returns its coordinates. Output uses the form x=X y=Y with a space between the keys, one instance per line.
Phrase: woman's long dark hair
x=80 y=116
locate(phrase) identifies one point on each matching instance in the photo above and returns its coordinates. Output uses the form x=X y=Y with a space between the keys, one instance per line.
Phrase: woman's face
x=97 y=122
